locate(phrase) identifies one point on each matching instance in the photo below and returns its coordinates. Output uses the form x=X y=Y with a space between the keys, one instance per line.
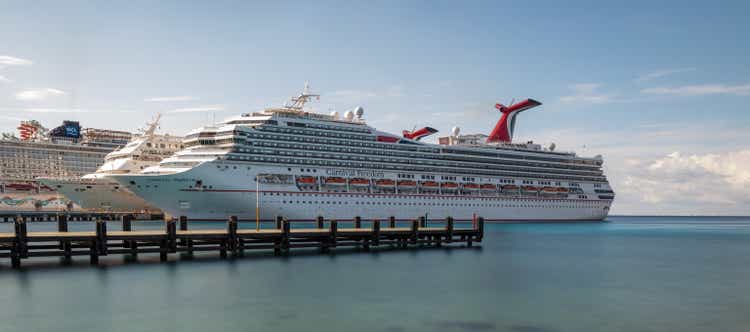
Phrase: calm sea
x=628 y=274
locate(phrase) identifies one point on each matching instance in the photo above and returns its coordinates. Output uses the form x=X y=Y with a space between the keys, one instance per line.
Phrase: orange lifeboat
x=384 y=182
x=306 y=180
x=335 y=180
x=407 y=183
x=449 y=185
x=471 y=186
x=509 y=187
x=430 y=184
x=488 y=186
x=530 y=188
x=549 y=189
x=562 y=190
x=359 y=182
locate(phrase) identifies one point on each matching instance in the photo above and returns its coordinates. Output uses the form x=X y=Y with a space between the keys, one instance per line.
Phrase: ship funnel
x=503 y=131
x=419 y=133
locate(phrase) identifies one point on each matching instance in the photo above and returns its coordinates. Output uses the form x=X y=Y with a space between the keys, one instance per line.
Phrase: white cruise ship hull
x=226 y=189
x=100 y=194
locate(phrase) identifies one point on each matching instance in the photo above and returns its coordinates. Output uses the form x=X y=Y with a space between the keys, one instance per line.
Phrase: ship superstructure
x=296 y=163
x=95 y=191
x=64 y=151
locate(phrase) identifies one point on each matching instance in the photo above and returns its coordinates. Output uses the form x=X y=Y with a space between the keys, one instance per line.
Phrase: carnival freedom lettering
x=354 y=173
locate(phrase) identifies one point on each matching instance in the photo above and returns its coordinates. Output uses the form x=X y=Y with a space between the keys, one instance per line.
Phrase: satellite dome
x=455 y=131
x=335 y=115
x=359 y=111
x=349 y=115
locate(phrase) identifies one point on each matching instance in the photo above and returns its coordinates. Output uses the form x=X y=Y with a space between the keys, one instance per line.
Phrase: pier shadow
x=151 y=259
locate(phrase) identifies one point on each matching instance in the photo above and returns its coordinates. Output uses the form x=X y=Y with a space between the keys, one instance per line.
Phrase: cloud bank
x=39 y=94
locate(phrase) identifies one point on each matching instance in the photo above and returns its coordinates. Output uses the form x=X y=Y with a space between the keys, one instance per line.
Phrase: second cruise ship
x=291 y=162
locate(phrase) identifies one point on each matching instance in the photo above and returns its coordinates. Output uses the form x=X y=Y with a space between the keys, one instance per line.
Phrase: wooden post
x=392 y=222
x=22 y=243
x=62 y=226
x=376 y=233
x=172 y=235
x=18 y=250
x=126 y=227
x=357 y=222
x=232 y=235
x=320 y=221
x=414 y=231
x=183 y=227
x=286 y=228
x=480 y=226
x=334 y=230
x=449 y=230
x=101 y=237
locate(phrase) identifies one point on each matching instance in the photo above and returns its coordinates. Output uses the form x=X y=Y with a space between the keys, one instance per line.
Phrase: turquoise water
x=629 y=274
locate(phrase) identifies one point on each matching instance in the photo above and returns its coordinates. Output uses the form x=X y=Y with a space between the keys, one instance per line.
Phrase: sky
x=660 y=89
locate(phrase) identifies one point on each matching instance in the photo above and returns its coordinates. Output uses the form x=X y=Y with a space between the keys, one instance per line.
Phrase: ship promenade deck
x=175 y=237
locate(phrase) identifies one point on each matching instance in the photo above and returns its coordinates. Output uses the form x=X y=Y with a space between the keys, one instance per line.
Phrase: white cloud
x=6 y=60
x=661 y=73
x=210 y=108
x=172 y=98
x=40 y=94
x=701 y=90
x=586 y=93
x=708 y=182
x=56 y=110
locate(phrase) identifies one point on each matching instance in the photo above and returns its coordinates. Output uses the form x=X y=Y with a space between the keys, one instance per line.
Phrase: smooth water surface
x=628 y=274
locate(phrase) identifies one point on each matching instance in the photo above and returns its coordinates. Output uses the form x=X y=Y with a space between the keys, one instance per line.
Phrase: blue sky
x=659 y=88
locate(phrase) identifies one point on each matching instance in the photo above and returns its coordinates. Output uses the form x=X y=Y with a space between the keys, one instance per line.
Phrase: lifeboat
x=471 y=186
x=19 y=186
x=335 y=181
x=430 y=184
x=530 y=188
x=306 y=180
x=509 y=187
x=488 y=186
x=549 y=189
x=384 y=182
x=407 y=183
x=449 y=185
x=562 y=190
x=359 y=182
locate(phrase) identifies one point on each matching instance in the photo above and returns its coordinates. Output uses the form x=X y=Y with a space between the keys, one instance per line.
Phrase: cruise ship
x=64 y=151
x=96 y=192
x=293 y=162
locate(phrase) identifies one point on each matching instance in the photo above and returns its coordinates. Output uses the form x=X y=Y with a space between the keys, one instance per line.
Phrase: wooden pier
x=325 y=235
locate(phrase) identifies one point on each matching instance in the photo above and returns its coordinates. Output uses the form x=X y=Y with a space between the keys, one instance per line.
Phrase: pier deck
x=22 y=244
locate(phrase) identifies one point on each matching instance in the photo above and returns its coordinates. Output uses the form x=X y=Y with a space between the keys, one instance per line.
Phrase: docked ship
x=64 y=151
x=293 y=162
x=96 y=192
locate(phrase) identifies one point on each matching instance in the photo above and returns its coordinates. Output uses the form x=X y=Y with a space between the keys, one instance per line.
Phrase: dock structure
x=230 y=240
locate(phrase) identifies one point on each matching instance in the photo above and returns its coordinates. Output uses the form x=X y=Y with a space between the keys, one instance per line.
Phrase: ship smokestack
x=419 y=133
x=503 y=131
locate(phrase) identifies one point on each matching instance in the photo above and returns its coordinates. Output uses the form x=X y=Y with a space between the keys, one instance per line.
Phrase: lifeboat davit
x=384 y=183
x=359 y=182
